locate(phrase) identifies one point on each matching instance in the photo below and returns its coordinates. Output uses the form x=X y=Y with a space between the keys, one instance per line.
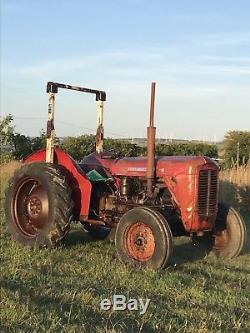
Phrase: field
x=60 y=290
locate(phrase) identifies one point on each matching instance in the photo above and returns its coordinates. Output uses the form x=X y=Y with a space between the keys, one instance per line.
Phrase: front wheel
x=143 y=238
x=230 y=233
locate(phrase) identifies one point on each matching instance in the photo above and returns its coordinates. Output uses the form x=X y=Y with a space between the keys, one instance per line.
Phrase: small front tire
x=143 y=238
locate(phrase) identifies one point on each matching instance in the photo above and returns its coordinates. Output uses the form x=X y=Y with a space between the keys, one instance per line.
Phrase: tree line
x=236 y=146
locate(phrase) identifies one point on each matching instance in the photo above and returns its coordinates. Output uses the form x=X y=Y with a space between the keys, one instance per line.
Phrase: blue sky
x=198 y=52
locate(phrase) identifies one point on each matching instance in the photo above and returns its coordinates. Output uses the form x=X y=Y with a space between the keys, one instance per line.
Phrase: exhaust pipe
x=151 y=146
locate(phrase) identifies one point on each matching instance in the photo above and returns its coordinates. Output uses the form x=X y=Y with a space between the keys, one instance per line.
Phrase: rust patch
x=140 y=241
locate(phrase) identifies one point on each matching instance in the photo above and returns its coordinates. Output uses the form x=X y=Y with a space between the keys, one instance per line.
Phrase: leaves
x=236 y=148
x=6 y=130
x=187 y=149
x=83 y=145
x=15 y=144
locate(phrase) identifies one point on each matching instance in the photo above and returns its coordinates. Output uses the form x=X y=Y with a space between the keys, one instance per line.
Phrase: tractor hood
x=165 y=166
x=137 y=166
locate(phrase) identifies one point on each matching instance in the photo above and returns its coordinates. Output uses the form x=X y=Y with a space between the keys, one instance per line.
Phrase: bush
x=123 y=148
x=78 y=147
x=83 y=145
x=6 y=157
x=236 y=148
x=185 y=149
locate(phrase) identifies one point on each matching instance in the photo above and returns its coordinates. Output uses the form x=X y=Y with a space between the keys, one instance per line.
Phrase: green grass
x=61 y=290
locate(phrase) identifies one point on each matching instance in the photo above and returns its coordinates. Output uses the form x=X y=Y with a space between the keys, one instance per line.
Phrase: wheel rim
x=139 y=241
x=30 y=207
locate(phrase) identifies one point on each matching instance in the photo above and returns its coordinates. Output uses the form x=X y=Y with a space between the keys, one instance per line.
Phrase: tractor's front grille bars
x=207 y=193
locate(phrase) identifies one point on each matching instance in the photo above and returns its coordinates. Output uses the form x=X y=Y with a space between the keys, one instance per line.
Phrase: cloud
x=138 y=64
x=110 y=60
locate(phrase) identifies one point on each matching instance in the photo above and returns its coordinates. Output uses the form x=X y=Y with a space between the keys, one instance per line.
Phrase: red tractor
x=143 y=201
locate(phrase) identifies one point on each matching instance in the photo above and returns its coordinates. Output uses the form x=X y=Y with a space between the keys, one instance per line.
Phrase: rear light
x=207 y=193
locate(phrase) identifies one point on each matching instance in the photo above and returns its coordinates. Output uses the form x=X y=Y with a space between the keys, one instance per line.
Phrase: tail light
x=207 y=192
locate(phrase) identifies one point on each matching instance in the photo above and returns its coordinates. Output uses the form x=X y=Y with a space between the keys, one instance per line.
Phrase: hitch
x=52 y=89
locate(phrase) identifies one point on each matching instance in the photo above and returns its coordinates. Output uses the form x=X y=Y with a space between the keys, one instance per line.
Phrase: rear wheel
x=143 y=238
x=230 y=232
x=38 y=205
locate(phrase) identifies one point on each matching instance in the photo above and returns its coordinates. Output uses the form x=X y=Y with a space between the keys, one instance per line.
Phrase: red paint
x=78 y=180
x=180 y=175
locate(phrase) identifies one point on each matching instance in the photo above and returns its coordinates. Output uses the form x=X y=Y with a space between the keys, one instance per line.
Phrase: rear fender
x=81 y=186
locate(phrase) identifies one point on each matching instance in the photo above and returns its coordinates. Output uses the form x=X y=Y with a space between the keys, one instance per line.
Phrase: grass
x=61 y=290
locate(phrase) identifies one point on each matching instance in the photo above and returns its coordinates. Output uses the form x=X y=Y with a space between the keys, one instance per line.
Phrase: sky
x=197 y=52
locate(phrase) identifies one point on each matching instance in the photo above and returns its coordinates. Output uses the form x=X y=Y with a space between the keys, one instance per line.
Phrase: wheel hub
x=34 y=207
x=140 y=241
x=30 y=204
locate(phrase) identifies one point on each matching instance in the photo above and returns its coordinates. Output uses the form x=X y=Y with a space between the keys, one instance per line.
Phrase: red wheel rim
x=30 y=207
x=140 y=241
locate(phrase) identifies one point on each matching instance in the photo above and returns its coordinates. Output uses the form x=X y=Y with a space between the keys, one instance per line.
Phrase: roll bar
x=52 y=89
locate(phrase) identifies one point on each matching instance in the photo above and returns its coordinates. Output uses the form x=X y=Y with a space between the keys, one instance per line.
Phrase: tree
x=79 y=146
x=39 y=142
x=23 y=146
x=185 y=149
x=83 y=145
x=236 y=148
x=123 y=148
x=7 y=130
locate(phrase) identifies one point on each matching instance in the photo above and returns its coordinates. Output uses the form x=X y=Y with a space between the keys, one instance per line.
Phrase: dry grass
x=7 y=169
x=239 y=176
x=235 y=187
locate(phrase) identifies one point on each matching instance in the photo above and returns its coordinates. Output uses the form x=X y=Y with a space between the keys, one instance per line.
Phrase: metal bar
x=152 y=105
x=95 y=222
x=100 y=128
x=151 y=130
x=53 y=87
x=50 y=129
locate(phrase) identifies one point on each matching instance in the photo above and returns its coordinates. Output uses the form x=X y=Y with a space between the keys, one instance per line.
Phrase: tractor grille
x=207 y=192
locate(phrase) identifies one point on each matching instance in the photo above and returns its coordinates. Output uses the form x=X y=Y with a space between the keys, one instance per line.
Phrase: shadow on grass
x=77 y=236
x=188 y=252
x=183 y=253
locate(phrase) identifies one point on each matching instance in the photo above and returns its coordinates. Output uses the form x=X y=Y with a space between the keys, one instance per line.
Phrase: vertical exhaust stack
x=151 y=146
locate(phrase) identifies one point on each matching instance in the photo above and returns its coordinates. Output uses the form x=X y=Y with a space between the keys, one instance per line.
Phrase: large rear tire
x=143 y=238
x=230 y=234
x=38 y=205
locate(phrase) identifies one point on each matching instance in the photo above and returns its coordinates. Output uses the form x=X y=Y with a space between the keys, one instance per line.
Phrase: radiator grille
x=207 y=192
